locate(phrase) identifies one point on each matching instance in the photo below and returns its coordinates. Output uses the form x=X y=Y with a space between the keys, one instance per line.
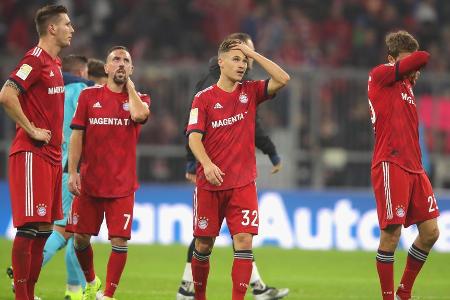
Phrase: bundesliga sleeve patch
x=193 y=116
x=24 y=71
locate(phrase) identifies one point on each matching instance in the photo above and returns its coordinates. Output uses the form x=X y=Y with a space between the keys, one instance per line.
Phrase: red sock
x=116 y=264
x=86 y=258
x=200 y=271
x=241 y=272
x=21 y=261
x=414 y=262
x=385 y=268
x=37 y=256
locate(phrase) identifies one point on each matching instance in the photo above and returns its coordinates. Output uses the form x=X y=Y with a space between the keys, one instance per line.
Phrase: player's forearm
x=197 y=147
x=139 y=110
x=279 y=77
x=11 y=103
x=75 y=147
x=413 y=62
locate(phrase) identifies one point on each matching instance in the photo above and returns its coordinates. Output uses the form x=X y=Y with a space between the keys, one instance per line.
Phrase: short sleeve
x=80 y=117
x=197 y=116
x=27 y=72
x=260 y=88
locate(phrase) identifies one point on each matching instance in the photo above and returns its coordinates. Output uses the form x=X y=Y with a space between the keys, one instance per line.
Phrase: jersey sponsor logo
x=408 y=98
x=97 y=105
x=51 y=73
x=41 y=209
x=126 y=106
x=218 y=106
x=56 y=90
x=193 y=116
x=109 y=121
x=24 y=71
x=243 y=98
x=228 y=121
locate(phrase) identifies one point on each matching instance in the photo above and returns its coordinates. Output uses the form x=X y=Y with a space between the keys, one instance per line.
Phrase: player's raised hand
x=239 y=45
x=74 y=184
x=130 y=85
x=213 y=174
x=40 y=134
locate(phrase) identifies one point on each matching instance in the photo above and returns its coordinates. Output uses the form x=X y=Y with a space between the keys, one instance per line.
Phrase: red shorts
x=35 y=189
x=402 y=197
x=239 y=206
x=86 y=215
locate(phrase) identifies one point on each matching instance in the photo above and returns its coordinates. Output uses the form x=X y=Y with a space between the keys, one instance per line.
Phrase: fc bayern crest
x=400 y=212
x=41 y=210
x=243 y=98
x=126 y=106
x=75 y=218
x=202 y=222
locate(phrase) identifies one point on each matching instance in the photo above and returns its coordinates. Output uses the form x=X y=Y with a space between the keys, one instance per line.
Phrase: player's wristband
x=191 y=167
x=275 y=159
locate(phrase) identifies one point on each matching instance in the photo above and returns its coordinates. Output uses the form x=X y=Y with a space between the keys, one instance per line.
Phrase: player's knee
x=119 y=242
x=81 y=241
x=430 y=237
x=204 y=245
x=389 y=238
x=243 y=241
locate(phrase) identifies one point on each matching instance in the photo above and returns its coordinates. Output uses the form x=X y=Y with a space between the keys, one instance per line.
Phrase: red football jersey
x=108 y=159
x=394 y=113
x=227 y=121
x=42 y=100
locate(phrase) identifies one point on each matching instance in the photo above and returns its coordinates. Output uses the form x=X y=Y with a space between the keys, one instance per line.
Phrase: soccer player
x=221 y=132
x=105 y=127
x=263 y=142
x=33 y=97
x=402 y=189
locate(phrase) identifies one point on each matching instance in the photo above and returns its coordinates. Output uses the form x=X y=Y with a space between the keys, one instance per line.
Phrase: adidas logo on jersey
x=217 y=106
x=97 y=105
x=51 y=73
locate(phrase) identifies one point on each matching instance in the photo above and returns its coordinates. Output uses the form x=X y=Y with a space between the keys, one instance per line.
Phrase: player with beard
x=106 y=127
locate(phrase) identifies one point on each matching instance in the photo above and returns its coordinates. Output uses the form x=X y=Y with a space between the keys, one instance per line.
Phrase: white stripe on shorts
x=29 y=184
x=387 y=190
x=195 y=207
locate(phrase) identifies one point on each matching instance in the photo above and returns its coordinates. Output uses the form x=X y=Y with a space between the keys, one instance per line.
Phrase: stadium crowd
x=303 y=35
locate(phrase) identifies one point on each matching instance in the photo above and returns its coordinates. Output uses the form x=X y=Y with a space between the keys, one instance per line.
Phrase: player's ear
x=220 y=61
x=131 y=71
x=51 y=28
x=391 y=59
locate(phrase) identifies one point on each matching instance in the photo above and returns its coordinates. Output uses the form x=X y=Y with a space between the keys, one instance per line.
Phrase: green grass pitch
x=154 y=272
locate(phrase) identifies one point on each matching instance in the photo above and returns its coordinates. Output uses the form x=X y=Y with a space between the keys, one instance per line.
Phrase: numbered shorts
x=239 y=206
x=86 y=215
x=67 y=199
x=402 y=197
x=35 y=188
